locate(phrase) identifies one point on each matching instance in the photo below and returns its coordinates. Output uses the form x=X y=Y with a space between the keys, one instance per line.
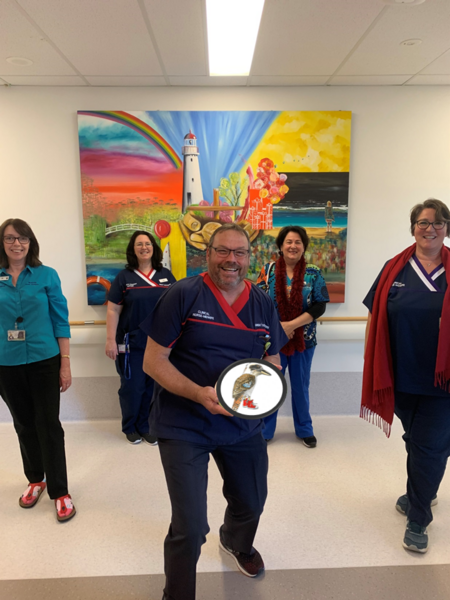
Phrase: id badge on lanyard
x=16 y=335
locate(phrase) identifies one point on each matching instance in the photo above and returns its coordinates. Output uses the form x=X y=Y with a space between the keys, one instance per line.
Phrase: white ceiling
x=163 y=43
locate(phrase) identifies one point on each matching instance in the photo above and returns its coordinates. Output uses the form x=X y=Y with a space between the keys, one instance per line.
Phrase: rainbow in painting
x=180 y=174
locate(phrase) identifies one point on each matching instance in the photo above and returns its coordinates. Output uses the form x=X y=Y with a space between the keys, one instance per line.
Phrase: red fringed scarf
x=377 y=404
x=292 y=307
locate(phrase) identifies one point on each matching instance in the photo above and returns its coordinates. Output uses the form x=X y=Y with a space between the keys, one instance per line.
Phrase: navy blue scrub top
x=414 y=310
x=206 y=335
x=138 y=294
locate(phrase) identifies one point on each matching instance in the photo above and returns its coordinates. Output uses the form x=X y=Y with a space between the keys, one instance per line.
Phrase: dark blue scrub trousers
x=299 y=374
x=426 y=421
x=135 y=394
x=243 y=467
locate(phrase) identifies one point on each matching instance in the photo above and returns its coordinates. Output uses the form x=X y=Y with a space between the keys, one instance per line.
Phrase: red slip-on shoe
x=65 y=508
x=32 y=494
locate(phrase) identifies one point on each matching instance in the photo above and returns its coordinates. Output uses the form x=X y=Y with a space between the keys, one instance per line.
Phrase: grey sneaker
x=134 y=438
x=250 y=564
x=402 y=503
x=416 y=537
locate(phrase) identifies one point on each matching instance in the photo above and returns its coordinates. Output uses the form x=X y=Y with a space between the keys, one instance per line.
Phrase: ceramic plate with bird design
x=251 y=389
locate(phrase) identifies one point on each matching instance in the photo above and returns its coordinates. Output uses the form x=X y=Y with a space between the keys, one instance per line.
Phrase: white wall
x=400 y=155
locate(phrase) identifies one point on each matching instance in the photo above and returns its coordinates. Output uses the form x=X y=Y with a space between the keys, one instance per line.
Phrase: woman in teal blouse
x=34 y=363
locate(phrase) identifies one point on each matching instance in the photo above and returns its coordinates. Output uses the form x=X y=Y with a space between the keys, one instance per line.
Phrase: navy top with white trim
x=138 y=293
x=414 y=312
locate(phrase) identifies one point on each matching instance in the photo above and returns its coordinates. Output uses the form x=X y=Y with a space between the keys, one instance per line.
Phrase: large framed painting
x=181 y=174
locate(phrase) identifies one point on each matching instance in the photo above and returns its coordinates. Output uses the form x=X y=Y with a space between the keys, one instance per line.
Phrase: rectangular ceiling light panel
x=232 y=31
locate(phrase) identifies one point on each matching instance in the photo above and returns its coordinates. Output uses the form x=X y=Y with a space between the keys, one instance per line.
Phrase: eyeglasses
x=141 y=244
x=224 y=252
x=10 y=239
x=437 y=225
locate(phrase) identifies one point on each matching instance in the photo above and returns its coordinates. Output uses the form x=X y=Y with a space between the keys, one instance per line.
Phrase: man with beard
x=199 y=327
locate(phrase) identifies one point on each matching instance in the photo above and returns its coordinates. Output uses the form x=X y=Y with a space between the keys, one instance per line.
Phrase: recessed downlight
x=404 y=2
x=19 y=61
x=412 y=42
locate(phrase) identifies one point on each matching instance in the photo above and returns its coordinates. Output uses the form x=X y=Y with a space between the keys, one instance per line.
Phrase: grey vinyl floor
x=329 y=531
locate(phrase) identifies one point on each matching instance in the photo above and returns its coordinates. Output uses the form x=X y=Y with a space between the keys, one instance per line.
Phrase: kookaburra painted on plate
x=244 y=385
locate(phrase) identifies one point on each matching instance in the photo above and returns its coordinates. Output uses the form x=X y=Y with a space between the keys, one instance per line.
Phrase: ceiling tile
x=43 y=80
x=179 y=32
x=429 y=80
x=380 y=53
x=99 y=37
x=126 y=81
x=293 y=80
x=19 y=38
x=310 y=37
x=441 y=66
x=369 y=79
x=209 y=81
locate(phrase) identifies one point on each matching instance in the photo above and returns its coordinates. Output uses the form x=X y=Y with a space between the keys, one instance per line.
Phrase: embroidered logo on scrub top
x=202 y=314
x=398 y=284
x=131 y=284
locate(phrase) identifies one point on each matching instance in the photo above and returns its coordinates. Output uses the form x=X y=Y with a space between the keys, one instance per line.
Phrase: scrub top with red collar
x=206 y=335
x=138 y=293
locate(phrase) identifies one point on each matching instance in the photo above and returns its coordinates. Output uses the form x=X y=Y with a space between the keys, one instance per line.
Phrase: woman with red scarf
x=407 y=361
x=300 y=295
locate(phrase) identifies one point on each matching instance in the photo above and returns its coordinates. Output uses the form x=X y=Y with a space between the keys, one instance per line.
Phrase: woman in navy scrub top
x=409 y=302
x=132 y=297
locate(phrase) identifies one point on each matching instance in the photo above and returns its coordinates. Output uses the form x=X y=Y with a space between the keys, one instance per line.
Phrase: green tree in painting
x=94 y=230
x=233 y=190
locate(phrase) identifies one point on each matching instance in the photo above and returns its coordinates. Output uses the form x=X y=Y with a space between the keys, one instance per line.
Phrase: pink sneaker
x=32 y=494
x=65 y=508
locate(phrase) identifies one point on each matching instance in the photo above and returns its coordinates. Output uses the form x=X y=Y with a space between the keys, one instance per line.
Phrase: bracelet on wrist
x=65 y=356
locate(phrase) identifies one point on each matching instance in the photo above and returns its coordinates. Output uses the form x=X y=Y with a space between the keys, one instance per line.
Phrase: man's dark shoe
x=250 y=564
x=403 y=502
x=309 y=442
x=150 y=439
x=134 y=438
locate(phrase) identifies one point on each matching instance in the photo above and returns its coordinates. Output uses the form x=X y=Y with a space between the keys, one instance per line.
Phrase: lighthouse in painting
x=192 y=184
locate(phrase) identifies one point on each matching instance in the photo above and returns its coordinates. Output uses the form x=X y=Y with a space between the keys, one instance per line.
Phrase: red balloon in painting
x=162 y=229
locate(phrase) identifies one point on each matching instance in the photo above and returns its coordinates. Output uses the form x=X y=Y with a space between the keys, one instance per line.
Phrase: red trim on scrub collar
x=230 y=311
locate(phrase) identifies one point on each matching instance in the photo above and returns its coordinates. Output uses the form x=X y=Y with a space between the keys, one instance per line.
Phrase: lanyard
x=127 y=369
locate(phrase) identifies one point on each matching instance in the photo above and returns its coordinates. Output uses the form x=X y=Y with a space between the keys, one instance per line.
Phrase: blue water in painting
x=96 y=292
x=307 y=218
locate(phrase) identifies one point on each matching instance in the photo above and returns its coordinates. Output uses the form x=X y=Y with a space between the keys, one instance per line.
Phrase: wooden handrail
x=320 y=320
x=340 y=319
x=82 y=323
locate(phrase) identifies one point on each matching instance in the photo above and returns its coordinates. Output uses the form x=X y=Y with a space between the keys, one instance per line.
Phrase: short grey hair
x=229 y=227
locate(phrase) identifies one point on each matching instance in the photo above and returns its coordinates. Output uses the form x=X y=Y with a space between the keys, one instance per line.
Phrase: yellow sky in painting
x=309 y=141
